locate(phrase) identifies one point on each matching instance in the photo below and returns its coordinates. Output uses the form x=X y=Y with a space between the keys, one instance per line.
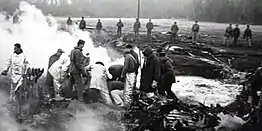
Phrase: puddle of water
x=198 y=89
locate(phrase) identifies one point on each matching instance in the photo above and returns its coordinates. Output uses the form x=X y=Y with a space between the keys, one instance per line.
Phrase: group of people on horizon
x=232 y=35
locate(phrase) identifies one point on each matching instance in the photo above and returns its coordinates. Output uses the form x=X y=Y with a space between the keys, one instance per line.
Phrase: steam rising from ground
x=39 y=40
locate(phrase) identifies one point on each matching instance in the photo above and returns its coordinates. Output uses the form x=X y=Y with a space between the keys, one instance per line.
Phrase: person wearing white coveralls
x=18 y=65
x=99 y=77
x=59 y=71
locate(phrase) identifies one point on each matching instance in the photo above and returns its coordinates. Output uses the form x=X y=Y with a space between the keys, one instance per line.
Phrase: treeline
x=238 y=11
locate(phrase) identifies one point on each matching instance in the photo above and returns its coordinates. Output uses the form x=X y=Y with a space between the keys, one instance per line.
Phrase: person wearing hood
x=18 y=66
x=49 y=77
x=167 y=76
x=150 y=72
x=77 y=68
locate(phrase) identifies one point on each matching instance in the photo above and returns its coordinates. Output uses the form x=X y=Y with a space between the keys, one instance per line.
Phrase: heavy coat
x=119 y=25
x=99 y=26
x=49 y=77
x=76 y=59
x=149 y=73
x=18 y=65
x=136 y=26
x=99 y=81
x=150 y=26
x=115 y=71
x=174 y=29
x=248 y=33
x=236 y=32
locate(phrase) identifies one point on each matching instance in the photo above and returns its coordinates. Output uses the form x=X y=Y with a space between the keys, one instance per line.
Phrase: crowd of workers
x=157 y=72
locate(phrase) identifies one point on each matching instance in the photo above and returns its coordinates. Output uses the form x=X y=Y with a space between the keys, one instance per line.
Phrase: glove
x=154 y=84
x=258 y=93
x=4 y=73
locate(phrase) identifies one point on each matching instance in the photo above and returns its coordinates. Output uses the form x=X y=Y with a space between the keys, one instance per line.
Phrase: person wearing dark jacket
x=174 y=31
x=136 y=27
x=236 y=34
x=82 y=24
x=76 y=69
x=69 y=21
x=115 y=71
x=255 y=85
x=49 y=78
x=248 y=36
x=135 y=55
x=149 y=27
x=119 y=25
x=129 y=73
x=99 y=26
x=167 y=76
x=150 y=72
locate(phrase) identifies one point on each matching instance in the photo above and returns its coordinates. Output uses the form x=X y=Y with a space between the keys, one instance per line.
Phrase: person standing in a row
x=228 y=35
x=248 y=36
x=69 y=21
x=174 y=31
x=136 y=27
x=99 y=26
x=195 y=30
x=82 y=24
x=236 y=34
x=119 y=25
x=149 y=27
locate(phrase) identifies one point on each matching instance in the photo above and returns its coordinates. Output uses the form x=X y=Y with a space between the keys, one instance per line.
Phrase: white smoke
x=39 y=40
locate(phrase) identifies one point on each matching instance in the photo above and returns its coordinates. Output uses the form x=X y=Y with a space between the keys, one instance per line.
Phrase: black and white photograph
x=130 y=65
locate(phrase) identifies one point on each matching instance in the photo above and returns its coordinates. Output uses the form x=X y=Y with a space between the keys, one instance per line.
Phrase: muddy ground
x=208 y=58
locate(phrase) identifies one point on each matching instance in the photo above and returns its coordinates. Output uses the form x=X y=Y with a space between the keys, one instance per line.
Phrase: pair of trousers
x=119 y=33
x=165 y=85
x=124 y=97
x=249 y=41
x=235 y=41
x=76 y=79
x=227 y=40
x=195 y=37
x=173 y=37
